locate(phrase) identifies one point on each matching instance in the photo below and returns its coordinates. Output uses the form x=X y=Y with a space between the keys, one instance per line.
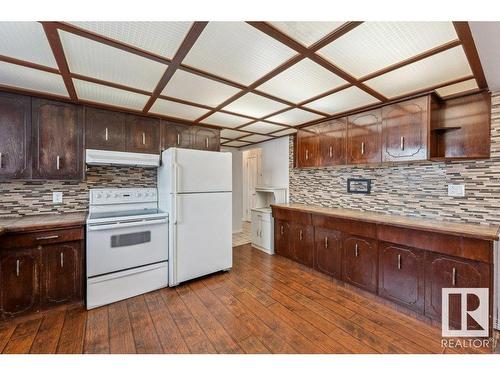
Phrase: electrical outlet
x=456 y=190
x=57 y=197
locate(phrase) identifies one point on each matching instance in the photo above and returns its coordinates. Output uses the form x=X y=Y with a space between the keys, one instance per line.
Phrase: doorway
x=252 y=176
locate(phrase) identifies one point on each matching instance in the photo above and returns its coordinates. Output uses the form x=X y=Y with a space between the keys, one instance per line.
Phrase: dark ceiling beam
x=465 y=35
x=337 y=33
x=62 y=63
x=28 y=64
x=186 y=45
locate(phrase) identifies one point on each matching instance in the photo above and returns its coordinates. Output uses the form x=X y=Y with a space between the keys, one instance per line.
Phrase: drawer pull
x=454 y=276
x=106 y=135
x=399 y=261
x=206 y=142
x=326 y=242
x=330 y=151
x=58 y=162
x=17 y=267
x=47 y=238
x=62 y=259
x=143 y=138
x=178 y=139
x=362 y=148
x=356 y=250
x=301 y=234
x=281 y=229
x=1 y=160
x=402 y=143
x=307 y=154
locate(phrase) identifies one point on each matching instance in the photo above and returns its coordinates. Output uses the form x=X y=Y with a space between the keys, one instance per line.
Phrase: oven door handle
x=126 y=225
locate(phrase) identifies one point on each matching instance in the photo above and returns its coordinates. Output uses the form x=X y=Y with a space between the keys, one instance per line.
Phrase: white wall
x=237 y=188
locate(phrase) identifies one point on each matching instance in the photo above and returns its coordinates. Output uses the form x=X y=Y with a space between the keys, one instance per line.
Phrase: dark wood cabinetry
x=332 y=142
x=307 y=151
x=57 y=140
x=104 y=130
x=15 y=136
x=142 y=134
x=302 y=243
x=363 y=137
x=282 y=238
x=360 y=262
x=401 y=275
x=175 y=135
x=405 y=129
x=205 y=139
x=328 y=252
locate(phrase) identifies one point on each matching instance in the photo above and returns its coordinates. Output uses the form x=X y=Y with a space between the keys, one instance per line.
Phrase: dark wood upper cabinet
x=15 y=136
x=332 y=142
x=405 y=130
x=104 y=130
x=307 y=148
x=363 y=137
x=142 y=134
x=360 y=262
x=57 y=140
x=328 y=252
x=401 y=275
x=205 y=138
x=175 y=135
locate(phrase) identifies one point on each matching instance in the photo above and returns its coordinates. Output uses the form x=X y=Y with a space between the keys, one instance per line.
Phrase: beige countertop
x=484 y=232
x=41 y=222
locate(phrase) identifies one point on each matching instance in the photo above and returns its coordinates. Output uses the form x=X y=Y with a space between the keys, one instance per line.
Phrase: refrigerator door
x=201 y=171
x=200 y=236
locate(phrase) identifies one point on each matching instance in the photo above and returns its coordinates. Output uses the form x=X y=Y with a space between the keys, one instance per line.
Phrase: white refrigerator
x=194 y=187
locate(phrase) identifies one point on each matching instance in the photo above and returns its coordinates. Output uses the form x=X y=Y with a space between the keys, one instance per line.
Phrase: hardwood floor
x=266 y=304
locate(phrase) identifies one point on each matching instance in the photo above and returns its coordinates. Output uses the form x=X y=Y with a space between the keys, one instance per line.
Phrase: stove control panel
x=123 y=196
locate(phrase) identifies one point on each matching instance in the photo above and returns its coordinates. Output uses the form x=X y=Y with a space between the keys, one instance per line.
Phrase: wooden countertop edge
x=18 y=227
x=435 y=228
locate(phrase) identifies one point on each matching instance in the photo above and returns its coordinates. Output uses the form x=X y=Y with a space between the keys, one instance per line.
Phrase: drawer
x=298 y=217
x=31 y=239
x=358 y=228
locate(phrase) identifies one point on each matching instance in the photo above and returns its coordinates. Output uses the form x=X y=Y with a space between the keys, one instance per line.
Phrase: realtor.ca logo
x=468 y=321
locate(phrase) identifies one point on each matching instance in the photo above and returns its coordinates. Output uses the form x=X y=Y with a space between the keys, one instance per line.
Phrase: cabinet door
x=447 y=272
x=57 y=140
x=327 y=252
x=363 y=137
x=302 y=241
x=20 y=285
x=175 y=135
x=205 y=139
x=256 y=228
x=104 y=130
x=360 y=262
x=142 y=134
x=405 y=128
x=332 y=142
x=401 y=275
x=307 y=148
x=62 y=272
x=15 y=136
x=282 y=238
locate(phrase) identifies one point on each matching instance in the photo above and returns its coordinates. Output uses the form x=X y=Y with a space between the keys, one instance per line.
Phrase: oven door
x=125 y=245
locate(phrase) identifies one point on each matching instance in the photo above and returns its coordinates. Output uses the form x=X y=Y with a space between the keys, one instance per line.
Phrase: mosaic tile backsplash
x=411 y=189
x=20 y=198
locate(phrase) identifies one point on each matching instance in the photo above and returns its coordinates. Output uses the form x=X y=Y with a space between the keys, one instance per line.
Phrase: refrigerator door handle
x=177 y=210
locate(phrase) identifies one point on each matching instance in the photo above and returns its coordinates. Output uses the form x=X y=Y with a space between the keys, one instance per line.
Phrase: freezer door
x=202 y=171
x=201 y=236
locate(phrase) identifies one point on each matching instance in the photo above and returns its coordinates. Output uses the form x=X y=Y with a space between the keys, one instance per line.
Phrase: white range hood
x=101 y=157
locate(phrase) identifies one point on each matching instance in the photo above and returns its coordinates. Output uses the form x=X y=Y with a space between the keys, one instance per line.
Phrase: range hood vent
x=101 y=157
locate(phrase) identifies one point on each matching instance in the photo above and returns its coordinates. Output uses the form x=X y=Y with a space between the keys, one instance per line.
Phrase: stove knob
x=99 y=196
x=108 y=195
x=115 y=195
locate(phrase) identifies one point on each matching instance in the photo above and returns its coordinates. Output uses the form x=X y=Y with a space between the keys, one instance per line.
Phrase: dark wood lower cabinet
x=401 y=275
x=328 y=252
x=360 y=262
x=302 y=243
x=282 y=238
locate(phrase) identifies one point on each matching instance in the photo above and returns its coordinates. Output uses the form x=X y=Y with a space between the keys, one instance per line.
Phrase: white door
x=202 y=171
x=202 y=242
x=251 y=180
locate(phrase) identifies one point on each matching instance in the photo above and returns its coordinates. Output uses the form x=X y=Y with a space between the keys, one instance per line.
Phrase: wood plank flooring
x=265 y=304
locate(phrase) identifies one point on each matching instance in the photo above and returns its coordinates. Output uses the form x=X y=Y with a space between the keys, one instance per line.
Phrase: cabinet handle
x=178 y=139
x=300 y=234
x=326 y=242
x=356 y=250
x=454 y=276
x=17 y=267
x=206 y=142
x=58 y=162
x=307 y=154
x=330 y=151
x=0 y=160
x=47 y=238
x=143 y=138
x=106 y=136
x=62 y=259
x=362 y=148
x=281 y=231
x=402 y=143
x=399 y=261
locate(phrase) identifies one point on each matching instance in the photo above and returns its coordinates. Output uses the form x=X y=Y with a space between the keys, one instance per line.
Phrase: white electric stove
x=127 y=245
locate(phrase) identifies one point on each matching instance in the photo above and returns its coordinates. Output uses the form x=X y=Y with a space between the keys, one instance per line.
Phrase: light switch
x=456 y=190
x=57 y=197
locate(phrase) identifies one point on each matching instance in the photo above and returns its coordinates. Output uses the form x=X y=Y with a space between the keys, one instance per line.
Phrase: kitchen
x=317 y=197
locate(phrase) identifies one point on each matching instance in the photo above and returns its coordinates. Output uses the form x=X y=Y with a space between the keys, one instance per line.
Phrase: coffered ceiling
x=256 y=80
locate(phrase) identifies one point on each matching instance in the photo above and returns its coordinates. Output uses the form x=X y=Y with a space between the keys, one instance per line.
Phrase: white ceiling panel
x=294 y=117
x=109 y=95
x=457 y=88
x=376 y=45
x=174 y=109
x=100 y=61
x=224 y=119
x=256 y=138
x=307 y=33
x=26 y=41
x=237 y=51
x=161 y=38
x=254 y=105
x=31 y=79
x=198 y=89
x=302 y=81
x=231 y=134
x=342 y=101
x=262 y=127
x=236 y=144
x=443 y=67
x=285 y=132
